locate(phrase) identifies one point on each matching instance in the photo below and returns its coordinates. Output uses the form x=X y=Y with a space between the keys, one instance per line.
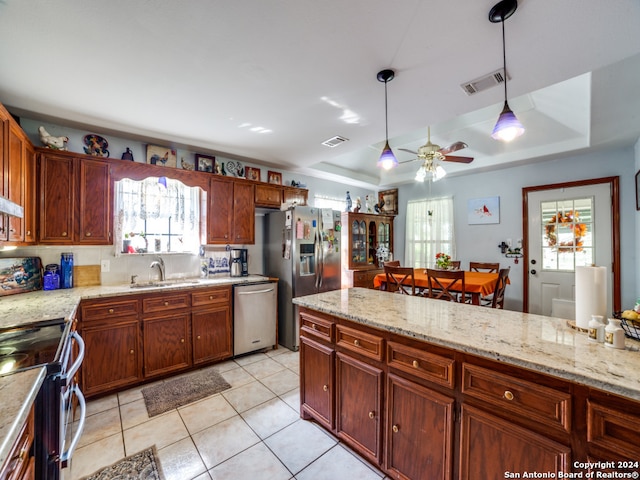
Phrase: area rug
x=140 y=466
x=182 y=390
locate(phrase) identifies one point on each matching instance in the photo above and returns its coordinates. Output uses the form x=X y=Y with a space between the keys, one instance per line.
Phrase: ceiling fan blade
x=407 y=150
x=453 y=158
x=454 y=147
x=408 y=161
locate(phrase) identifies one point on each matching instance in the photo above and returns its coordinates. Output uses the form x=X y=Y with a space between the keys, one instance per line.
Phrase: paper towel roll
x=591 y=294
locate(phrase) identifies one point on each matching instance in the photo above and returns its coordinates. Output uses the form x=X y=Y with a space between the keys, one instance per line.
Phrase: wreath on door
x=569 y=219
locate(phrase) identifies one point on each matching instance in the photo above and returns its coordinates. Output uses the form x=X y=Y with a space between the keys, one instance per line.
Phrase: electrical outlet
x=104 y=266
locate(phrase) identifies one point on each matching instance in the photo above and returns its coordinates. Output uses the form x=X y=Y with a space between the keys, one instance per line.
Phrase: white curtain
x=429 y=231
x=157 y=209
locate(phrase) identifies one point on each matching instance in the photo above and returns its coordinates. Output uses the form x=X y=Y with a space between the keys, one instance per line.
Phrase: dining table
x=477 y=284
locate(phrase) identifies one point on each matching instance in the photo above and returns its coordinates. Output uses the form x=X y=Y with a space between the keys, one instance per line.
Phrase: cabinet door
x=112 y=356
x=166 y=345
x=220 y=212
x=268 y=195
x=30 y=193
x=419 y=431
x=359 y=405
x=57 y=189
x=244 y=217
x=211 y=334
x=16 y=173
x=317 y=382
x=517 y=449
x=95 y=219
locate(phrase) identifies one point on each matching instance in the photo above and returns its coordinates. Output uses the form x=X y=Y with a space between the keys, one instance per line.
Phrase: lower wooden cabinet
x=420 y=428
x=212 y=338
x=112 y=359
x=166 y=345
x=20 y=462
x=491 y=447
x=317 y=380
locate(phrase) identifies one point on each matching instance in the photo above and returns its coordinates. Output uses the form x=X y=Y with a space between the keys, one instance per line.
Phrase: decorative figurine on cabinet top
x=127 y=155
x=55 y=143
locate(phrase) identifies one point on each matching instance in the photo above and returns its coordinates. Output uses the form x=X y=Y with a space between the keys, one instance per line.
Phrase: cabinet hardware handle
x=372 y=415
x=132 y=351
x=64 y=234
x=111 y=310
x=508 y=395
x=12 y=230
x=210 y=297
x=325 y=387
x=415 y=364
x=182 y=340
x=28 y=232
x=314 y=326
x=356 y=342
x=395 y=429
x=88 y=234
x=198 y=337
x=166 y=303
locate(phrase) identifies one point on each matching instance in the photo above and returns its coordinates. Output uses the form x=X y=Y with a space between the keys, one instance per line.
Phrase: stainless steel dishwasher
x=255 y=317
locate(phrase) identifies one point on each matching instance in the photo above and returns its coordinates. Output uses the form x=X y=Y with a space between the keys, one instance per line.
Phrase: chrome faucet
x=160 y=264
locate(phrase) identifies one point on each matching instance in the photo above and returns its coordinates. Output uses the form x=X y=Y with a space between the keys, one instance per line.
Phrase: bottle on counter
x=613 y=334
x=596 y=329
x=51 y=277
x=66 y=270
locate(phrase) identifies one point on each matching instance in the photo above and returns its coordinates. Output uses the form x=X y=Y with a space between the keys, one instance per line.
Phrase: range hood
x=7 y=207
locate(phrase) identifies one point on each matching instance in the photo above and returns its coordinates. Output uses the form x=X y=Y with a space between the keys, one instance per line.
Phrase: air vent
x=335 y=141
x=484 y=83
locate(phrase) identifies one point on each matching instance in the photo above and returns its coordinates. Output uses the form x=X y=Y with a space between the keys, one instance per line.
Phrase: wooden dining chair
x=446 y=291
x=400 y=280
x=391 y=263
x=484 y=267
x=496 y=299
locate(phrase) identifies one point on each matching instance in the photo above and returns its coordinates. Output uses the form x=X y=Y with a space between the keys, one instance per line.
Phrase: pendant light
x=387 y=159
x=507 y=127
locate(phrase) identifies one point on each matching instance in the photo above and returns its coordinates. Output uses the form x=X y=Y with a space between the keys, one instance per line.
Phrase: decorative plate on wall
x=96 y=145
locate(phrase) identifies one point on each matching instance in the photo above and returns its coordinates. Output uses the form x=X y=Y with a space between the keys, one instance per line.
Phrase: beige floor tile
x=281 y=382
x=181 y=460
x=160 y=431
x=91 y=458
x=270 y=417
x=292 y=399
x=130 y=395
x=224 y=440
x=133 y=413
x=206 y=413
x=224 y=366
x=290 y=360
x=204 y=476
x=255 y=463
x=237 y=377
x=100 y=405
x=299 y=444
x=100 y=425
x=275 y=352
x=248 y=396
x=338 y=463
x=252 y=358
x=264 y=368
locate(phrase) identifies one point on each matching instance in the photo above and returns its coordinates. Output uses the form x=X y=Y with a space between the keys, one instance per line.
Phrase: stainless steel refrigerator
x=302 y=249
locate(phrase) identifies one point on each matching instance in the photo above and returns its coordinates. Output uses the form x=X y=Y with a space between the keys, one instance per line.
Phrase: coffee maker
x=239 y=262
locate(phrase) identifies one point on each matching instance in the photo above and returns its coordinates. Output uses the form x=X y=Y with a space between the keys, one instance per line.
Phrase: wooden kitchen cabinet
x=211 y=324
x=267 y=195
x=231 y=212
x=75 y=200
x=16 y=164
x=20 y=461
x=294 y=195
x=317 y=382
x=31 y=194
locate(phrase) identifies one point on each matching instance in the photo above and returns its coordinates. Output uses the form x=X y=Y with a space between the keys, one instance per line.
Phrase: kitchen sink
x=164 y=283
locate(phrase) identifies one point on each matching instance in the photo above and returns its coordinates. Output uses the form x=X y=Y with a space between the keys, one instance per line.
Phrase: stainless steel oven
x=59 y=348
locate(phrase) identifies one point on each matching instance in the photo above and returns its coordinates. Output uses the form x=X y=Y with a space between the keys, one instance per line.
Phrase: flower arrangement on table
x=443 y=261
x=568 y=219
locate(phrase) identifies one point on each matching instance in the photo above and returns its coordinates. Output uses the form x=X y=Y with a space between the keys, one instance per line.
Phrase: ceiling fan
x=431 y=154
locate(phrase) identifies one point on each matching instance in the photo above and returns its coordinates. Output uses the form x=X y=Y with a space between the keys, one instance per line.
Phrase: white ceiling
x=202 y=73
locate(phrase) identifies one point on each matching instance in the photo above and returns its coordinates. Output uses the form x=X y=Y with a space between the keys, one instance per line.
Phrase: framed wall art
x=252 y=173
x=163 y=156
x=483 y=211
x=388 y=201
x=205 y=163
x=274 y=177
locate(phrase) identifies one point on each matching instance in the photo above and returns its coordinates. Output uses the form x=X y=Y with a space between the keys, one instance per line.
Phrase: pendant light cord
x=504 y=62
x=386 y=114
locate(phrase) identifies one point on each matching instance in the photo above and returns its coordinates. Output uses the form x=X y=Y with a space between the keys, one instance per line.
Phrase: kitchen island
x=430 y=389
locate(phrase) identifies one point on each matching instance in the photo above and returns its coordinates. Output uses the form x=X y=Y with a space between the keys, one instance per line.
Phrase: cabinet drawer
x=428 y=366
x=613 y=429
x=163 y=303
x=364 y=343
x=111 y=308
x=268 y=195
x=317 y=327
x=518 y=397
x=210 y=297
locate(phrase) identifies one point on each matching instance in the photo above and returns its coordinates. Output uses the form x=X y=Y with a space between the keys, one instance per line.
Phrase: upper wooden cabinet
x=272 y=196
x=231 y=212
x=75 y=200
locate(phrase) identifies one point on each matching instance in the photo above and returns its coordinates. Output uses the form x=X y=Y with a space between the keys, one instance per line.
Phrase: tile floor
x=251 y=431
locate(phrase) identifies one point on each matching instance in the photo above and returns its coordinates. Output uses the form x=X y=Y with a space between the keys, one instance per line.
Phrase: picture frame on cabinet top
x=252 y=173
x=162 y=156
x=389 y=201
x=205 y=163
x=274 y=177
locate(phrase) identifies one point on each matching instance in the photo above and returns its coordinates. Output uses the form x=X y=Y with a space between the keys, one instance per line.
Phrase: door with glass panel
x=568 y=227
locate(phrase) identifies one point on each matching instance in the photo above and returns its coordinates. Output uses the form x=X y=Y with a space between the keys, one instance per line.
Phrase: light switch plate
x=104 y=266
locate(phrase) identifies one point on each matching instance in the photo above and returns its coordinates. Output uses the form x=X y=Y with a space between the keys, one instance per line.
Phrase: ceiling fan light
x=508 y=126
x=387 y=159
x=421 y=174
x=439 y=173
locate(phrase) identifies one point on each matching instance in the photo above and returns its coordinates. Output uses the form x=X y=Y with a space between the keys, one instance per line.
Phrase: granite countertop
x=543 y=344
x=17 y=394
x=44 y=305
